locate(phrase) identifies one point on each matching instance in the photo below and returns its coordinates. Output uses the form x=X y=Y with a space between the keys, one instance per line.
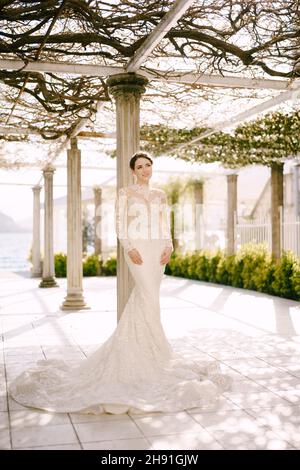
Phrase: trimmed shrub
x=201 y=266
x=284 y=279
x=175 y=265
x=224 y=269
x=92 y=265
x=295 y=279
x=258 y=268
x=192 y=260
x=60 y=264
x=109 y=267
x=212 y=267
x=184 y=265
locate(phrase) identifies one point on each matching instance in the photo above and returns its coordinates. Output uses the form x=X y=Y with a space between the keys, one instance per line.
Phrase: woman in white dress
x=135 y=370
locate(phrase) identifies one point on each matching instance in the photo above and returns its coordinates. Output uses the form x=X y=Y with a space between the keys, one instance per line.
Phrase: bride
x=135 y=370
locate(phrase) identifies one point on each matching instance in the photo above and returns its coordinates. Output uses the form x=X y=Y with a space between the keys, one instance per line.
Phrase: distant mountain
x=7 y=224
x=25 y=224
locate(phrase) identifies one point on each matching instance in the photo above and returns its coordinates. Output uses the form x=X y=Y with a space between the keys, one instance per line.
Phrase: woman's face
x=143 y=170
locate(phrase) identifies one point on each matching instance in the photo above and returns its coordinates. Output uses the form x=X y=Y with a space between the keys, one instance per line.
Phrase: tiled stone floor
x=255 y=337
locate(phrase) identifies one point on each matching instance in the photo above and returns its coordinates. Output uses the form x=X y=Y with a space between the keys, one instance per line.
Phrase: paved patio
x=255 y=337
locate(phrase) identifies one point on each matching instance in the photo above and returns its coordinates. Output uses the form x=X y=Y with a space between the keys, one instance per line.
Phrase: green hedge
x=109 y=268
x=60 y=264
x=252 y=268
x=91 y=266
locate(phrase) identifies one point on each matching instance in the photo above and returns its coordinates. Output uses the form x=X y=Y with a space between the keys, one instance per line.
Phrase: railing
x=290 y=230
x=260 y=231
x=254 y=231
x=204 y=227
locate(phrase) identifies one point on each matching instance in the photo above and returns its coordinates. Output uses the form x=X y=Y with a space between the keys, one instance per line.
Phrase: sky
x=16 y=201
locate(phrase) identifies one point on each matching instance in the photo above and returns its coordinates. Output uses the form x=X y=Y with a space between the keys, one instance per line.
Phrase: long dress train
x=135 y=370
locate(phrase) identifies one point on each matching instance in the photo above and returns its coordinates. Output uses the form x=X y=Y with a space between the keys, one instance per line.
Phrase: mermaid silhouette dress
x=135 y=370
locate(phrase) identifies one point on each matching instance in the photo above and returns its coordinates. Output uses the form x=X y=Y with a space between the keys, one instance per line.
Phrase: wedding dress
x=135 y=370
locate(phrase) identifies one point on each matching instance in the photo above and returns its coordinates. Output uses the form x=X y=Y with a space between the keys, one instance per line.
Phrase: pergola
x=68 y=66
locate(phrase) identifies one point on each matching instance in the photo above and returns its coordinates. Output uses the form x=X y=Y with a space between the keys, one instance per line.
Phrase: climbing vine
x=267 y=140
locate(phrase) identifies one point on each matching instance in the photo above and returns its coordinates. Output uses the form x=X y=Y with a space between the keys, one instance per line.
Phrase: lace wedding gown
x=135 y=370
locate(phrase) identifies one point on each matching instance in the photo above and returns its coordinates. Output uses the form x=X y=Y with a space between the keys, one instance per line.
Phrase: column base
x=74 y=302
x=36 y=273
x=48 y=282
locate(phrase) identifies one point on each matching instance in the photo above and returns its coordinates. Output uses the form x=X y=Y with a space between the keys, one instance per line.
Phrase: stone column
x=231 y=213
x=36 y=270
x=127 y=89
x=74 y=299
x=198 y=196
x=97 y=220
x=276 y=205
x=48 y=279
x=296 y=191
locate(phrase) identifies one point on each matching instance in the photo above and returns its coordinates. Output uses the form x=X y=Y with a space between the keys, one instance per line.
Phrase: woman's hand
x=135 y=256
x=166 y=255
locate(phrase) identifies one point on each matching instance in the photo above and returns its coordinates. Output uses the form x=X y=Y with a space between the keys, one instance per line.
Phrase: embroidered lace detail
x=142 y=213
x=143 y=189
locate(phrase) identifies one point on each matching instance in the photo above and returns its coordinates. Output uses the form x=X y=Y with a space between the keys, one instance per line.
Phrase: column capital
x=232 y=176
x=198 y=183
x=73 y=142
x=48 y=169
x=277 y=165
x=37 y=188
x=123 y=84
x=97 y=189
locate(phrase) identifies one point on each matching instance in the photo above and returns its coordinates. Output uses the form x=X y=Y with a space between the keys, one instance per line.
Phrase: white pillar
x=276 y=205
x=36 y=270
x=48 y=279
x=127 y=90
x=198 y=196
x=296 y=191
x=74 y=299
x=97 y=220
x=231 y=213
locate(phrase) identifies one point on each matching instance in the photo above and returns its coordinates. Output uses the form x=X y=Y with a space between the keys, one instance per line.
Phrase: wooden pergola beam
x=59 y=67
x=218 y=81
x=187 y=78
x=7 y=130
x=167 y=23
x=96 y=135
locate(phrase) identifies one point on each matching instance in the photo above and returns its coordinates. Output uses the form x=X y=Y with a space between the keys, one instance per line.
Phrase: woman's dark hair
x=139 y=155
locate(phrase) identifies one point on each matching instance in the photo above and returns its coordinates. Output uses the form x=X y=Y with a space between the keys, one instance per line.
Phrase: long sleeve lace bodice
x=142 y=213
